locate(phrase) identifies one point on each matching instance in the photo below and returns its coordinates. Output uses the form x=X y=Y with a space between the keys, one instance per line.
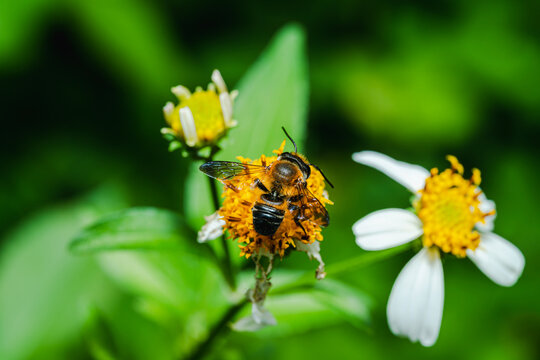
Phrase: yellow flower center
x=207 y=115
x=206 y=110
x=449 y=209
x=239 y=201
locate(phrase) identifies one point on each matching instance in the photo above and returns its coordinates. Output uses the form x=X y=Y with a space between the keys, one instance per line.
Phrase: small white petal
x=413 y=177
x=313 y=251
x=325 y=195
x=387 y=228
x=168 y=109
x=234 y=95
x=167 y=131
x=213 y=228
x=498 y=258
x=486 y=206
x=261 y=315
x=218 y=80
x=246 y=324
x=188 y=126
x=259 y=318
x=226 y=108
x=181 y=92
x=415 y=305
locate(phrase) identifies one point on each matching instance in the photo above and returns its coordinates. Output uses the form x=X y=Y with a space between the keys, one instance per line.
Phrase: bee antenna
x=324 y=176
x=290 y=138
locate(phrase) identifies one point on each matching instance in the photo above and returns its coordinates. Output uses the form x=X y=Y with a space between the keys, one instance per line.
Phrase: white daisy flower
x=203 y=117
x=452 y=215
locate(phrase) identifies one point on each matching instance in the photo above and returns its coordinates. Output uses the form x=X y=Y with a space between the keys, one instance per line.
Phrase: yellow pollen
x=239 y=201
x=449 y=209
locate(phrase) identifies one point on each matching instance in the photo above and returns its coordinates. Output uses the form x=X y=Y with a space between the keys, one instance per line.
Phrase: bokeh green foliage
x=83 y=83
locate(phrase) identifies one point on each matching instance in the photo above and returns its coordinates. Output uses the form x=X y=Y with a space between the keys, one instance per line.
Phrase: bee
x=282 y=186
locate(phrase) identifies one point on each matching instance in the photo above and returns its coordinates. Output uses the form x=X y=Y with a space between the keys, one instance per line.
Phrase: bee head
x=304 y=167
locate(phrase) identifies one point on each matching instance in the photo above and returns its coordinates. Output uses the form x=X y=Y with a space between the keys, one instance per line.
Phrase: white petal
x=261 y=315
x=167 y=131
x=415 y=305
x=413 y=177
x=181 y=92
x=498 y=258
x=246 y=324
x=213 y=228
x=188 y=126
x=486 y=206
x=234 y=95
x=387 y=228
x=168 y=109
x=218 y=80
x=226 y=109
x=259 y=318
x=313 y=251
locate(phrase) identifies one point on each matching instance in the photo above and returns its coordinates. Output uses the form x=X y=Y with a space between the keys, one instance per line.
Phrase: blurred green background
x=82 y=84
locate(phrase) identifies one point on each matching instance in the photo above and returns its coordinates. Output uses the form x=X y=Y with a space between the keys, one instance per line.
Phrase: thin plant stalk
x=221 y=327
x=307 y=280
x=226 y=261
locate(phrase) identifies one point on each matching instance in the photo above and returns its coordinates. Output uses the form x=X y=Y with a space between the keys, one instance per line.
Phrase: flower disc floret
x=449 y=209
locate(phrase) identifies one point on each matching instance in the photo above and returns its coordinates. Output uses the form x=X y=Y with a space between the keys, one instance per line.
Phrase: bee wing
x=312 y=209
x=225 y=171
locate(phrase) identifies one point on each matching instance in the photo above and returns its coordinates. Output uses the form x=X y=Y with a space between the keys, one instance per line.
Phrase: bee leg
x=292 y=208
x=297 y=217
x=298 y=223
x=296 y=198
x=233 y=188
x=258 y=183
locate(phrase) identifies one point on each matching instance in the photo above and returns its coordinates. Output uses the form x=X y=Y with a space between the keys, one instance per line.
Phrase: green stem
x=364 y=260
x=306 y=281
x=226 y=261
x=219 y=327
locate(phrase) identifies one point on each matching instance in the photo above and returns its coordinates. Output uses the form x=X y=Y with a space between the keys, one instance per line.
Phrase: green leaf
x=45 y=291
x=347 y=302
x=98 y=337
x=273 y=93
x=177 y=286
x=135 y=228
x=175 y=289
x=119 y=331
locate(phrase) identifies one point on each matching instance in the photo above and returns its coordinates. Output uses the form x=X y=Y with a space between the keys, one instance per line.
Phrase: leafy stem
x=219 y=327
x=364 y=260
x=226 y=265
